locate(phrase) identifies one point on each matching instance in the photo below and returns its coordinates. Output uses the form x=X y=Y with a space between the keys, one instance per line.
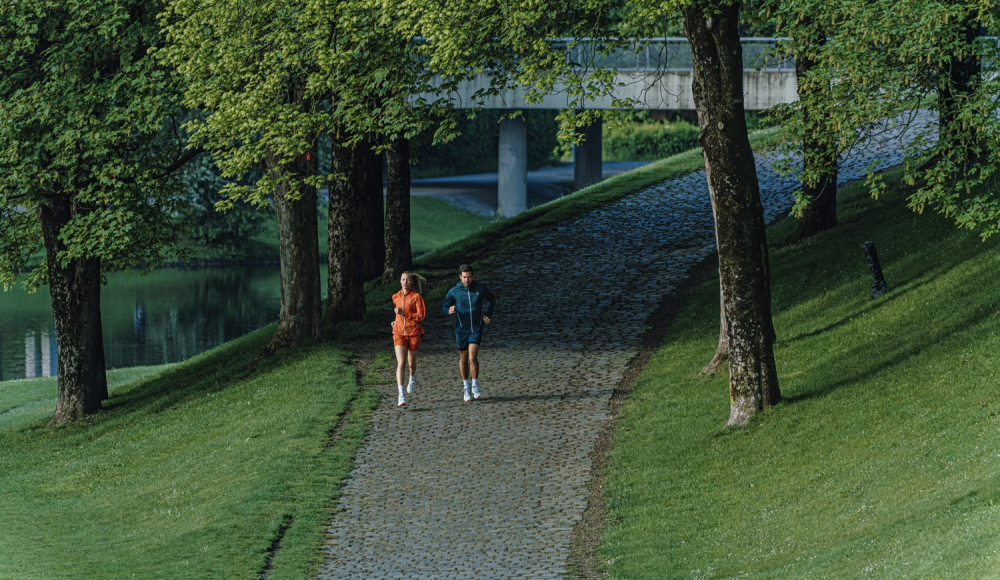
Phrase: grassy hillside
x=193 y=471
x=884 y=459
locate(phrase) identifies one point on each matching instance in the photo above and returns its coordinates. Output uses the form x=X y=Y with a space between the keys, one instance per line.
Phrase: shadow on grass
x=875 y=304
x=903 y=351
x=196 y=378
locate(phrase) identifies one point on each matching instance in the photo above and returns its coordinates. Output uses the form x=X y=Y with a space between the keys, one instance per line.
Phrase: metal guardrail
x=671 y=53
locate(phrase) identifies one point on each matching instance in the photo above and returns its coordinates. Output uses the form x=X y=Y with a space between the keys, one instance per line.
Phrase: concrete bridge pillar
x=587 y=156
x=512 y=179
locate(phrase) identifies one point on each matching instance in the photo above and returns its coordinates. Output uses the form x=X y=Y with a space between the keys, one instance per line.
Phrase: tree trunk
x=732 y=178
x=722 y=350
x=819 y=156
x=298 y=250
x=76 y=308
x=957 y=80
x=373 y=217
x=398 y=255
x=102 y=372
x=345 y=297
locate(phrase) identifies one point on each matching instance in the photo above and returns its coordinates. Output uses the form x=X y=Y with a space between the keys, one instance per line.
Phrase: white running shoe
x=402 y=401
x=411 y=386
x=465 y=393
x=476 y=394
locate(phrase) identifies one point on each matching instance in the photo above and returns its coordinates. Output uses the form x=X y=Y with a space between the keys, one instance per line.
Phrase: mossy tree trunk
x=373 y=216
x=398 y=253
x=345 y=297
x=298 y=250
x=75 y=288
x=740 y=231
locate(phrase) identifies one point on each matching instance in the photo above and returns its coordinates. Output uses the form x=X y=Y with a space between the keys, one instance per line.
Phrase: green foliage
x=274 y=76
x=648 y=141
x=880 y=461
x=475 y=149
x=882 y=62
x=228 y=230
x=191 y=472
x=85 y=116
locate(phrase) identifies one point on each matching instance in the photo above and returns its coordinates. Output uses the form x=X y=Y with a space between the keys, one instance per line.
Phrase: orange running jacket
x=409 y=322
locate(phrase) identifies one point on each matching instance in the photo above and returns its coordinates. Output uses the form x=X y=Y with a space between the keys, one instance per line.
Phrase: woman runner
x=407 y=330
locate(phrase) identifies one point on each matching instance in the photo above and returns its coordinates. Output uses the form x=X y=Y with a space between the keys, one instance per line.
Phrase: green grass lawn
x=884 y=459
x=435 y=224
x=192 y=471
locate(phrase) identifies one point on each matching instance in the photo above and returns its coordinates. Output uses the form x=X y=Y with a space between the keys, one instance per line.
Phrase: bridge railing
x=673 y=53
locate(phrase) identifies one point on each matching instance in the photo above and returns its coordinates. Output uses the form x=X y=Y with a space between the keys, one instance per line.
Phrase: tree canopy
x=882 y=63
x=86 y=114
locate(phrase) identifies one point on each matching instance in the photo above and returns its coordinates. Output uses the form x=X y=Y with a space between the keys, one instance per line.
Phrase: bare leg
x=463 y=363
x=473 y=361
x=400 y=363
x=413 y=363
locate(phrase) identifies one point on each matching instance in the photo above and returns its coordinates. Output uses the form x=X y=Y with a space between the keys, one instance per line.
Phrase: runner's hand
x=397 y=310
x=486 y=319
x=451 y=310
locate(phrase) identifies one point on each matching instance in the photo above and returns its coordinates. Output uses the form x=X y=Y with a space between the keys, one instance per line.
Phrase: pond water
x=167 y=316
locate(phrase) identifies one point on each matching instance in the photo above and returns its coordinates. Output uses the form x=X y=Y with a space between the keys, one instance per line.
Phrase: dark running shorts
x=464 y=339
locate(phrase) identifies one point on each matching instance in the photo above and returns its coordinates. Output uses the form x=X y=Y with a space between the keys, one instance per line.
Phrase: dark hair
x=464 y=268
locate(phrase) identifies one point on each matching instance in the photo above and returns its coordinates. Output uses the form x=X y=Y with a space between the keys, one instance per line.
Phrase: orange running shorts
x=410 y=342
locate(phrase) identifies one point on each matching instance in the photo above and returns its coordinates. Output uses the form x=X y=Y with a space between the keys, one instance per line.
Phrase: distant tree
x=804 y=26
x=273 y=77
x=884 y=63
x=228 y=230
x=248 y=65
x=88 y=154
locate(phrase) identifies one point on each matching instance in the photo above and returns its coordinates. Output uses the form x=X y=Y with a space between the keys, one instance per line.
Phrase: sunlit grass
x=189 y=473
x=884 y=459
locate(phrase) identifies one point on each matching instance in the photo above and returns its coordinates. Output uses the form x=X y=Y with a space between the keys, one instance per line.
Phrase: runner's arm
x=449 y=301
x=491 y=302
x=420 y=310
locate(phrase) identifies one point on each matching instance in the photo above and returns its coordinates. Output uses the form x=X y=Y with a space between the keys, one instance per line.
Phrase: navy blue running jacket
x=471 y=305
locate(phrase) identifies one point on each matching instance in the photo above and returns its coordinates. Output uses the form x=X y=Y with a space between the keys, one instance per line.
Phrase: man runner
x=472 y=305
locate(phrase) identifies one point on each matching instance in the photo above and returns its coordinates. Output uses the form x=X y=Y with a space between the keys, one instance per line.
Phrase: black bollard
x=879 y=287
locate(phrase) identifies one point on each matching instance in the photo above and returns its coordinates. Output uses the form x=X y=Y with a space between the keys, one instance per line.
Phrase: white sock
x=413 y=379
x=474 y=382
x=465 y=383
x=400 y=390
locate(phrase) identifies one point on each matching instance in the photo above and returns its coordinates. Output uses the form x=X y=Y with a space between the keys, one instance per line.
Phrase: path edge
x=586 y=535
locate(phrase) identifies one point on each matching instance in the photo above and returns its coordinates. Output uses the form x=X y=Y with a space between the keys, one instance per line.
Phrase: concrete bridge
x=655 y=73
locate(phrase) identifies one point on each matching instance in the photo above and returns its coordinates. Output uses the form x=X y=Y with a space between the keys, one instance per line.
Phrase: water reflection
x=167 y=316
x=39 y=354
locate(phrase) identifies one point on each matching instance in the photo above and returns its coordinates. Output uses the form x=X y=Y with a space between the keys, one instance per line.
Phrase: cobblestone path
x=492 y=488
